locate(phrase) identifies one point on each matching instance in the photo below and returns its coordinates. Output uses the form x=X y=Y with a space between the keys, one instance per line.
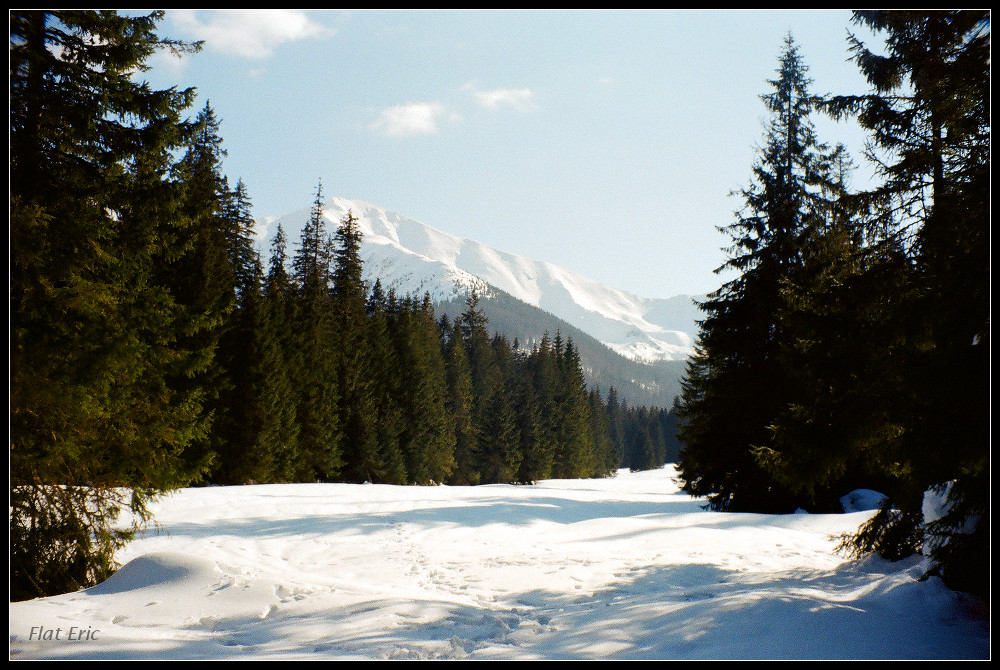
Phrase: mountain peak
x=415 y=258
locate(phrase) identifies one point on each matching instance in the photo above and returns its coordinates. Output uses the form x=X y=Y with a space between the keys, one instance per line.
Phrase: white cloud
x=418 y=118
x=521 y=99
x=424 y=118
x=247 y=32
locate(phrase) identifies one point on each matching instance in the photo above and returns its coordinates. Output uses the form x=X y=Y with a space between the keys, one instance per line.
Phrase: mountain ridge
x=413 y=257
x=637 y=345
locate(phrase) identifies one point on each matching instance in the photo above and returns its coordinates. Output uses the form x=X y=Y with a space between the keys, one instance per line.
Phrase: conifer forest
x=153 y=346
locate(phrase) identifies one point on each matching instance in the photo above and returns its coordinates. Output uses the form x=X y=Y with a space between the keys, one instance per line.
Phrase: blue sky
x=606 y=142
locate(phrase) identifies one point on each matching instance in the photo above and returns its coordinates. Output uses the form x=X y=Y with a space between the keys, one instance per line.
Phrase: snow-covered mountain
x=412 y=257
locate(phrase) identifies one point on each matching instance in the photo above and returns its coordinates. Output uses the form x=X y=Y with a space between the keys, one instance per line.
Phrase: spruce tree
x=536 y=458
x=96 y=424
x=605 y=456
x=388 y=386
x=642 y=440
x=735 y=385
x=428 y=439
x=498 y=441
x=575 y=457
x=485 y=378
x=616 y=421
x=255 y=441
x=928 y=114
x=315 y=357
x=543 y=368
x=458 y=376
x=278 y=320
x=356 y=400
x=199 y=270
x=834 y=312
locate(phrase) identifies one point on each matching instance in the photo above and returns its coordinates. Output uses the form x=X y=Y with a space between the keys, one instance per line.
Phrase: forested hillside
x=637 y=383
x=152 y=346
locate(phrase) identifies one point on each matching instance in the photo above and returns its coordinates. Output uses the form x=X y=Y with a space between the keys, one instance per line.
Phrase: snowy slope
x=415 y=258
x=627 y=567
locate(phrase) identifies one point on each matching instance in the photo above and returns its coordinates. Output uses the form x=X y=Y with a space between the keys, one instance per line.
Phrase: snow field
x=625 y=568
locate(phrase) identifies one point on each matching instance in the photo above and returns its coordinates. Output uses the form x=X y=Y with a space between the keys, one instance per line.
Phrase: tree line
x=152 y=346
x=334 y=380
x=852 y=348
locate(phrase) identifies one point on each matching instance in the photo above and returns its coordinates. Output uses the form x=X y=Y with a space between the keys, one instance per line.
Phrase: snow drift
x=620 y=568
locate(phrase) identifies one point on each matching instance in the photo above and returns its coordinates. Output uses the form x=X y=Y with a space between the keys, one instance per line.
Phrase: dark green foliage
x=255 y=427
x=859 y=327
x=574 y=456
x=737 y=384
x=458 y=376
x=520 y=416
x=97 y=336
x=637 y=383
x=841 y=319
x=352 y=355
x=541 y=371
x=535 y=454
x=605 y=452
x=200 y=273
x=498 y=455
x=643 y=437
x=929 y=117
x=63 y=538
x=890 y=533
x=387 y=387
x=278 y=353
x=427 y=434
x=150 y=349
x=485 y=377
x=315 y=357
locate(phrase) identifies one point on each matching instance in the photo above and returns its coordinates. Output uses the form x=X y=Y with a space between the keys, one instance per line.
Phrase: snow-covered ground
x=620 y=568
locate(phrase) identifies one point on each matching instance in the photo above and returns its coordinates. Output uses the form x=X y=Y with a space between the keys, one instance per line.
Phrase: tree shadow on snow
x=695 y=611
x=482 y=512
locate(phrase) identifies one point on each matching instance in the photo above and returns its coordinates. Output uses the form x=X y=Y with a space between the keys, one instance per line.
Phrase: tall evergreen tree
x=316 y=358
x=928 y=113
x=244 y=259
x=485 y=380
x=356 y=400
x=199 y=269
x=384 y=366
x=255 y=441
x=428 y=439
x=280 y=355
x=535 y=456
x=498 y=440
x=735 y=385
x=575 y=456
x=458 y=376
x=543 y=370
x=605 y=455
x=641 y=440
x=96 y=423
x=834 y=311
x=616 y=428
